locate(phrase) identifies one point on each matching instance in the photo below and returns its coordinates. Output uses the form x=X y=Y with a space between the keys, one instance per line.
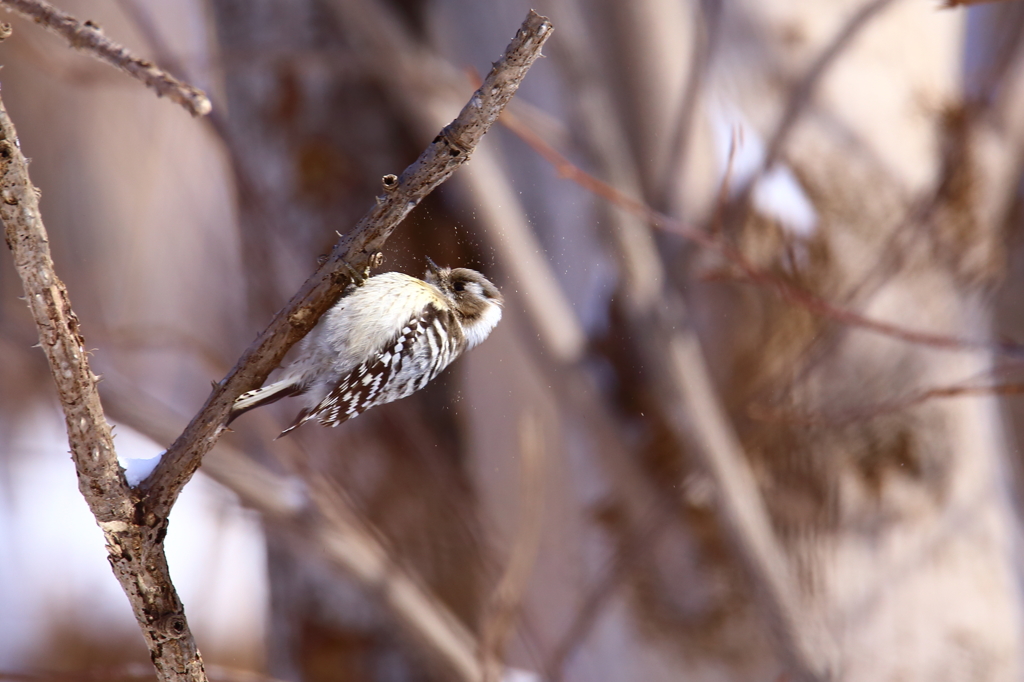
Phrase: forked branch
x=134 y=541
x=134 y=521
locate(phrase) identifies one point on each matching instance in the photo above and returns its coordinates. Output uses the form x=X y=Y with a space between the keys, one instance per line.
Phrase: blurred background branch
x=762 y=284
x=89 y=38
x=134 y=525
x=502 y=609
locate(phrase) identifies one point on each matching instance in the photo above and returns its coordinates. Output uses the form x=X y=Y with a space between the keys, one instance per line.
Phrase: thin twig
x=134 y=540
x=949 y=4
x=835 y=418
x=88 y=37
x=784 y=289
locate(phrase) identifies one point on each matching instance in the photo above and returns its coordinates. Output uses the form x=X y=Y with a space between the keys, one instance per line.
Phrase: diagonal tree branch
x=134 y=522
x=449 y=150
x=88 y=37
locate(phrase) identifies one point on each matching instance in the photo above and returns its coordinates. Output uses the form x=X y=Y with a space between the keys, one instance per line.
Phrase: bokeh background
x=868 y=153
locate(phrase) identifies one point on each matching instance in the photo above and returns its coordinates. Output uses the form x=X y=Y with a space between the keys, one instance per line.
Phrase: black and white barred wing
x=424 y=346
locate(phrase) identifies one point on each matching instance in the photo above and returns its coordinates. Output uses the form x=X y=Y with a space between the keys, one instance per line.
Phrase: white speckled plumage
x=384 y=341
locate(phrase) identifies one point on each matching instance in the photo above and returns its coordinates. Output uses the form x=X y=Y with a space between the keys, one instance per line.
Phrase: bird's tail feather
x=263 y=396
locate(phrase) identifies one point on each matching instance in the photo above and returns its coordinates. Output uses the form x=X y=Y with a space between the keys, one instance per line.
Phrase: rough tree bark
x=134 y=521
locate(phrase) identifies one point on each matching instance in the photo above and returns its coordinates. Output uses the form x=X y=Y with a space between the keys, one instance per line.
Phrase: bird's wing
x=417 y=353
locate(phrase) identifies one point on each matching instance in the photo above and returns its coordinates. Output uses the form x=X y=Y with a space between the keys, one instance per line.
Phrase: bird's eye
x=459 y=286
